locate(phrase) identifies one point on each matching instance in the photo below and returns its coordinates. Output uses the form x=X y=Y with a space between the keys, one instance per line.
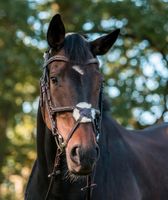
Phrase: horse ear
x=101 y=45
x=56 y=32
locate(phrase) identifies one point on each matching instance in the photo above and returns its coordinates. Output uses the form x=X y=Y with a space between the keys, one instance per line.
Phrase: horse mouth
x=74 y=175
x=80 y=171
x=72 y=172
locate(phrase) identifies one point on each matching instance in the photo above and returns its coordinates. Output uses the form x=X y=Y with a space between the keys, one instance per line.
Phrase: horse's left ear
x=101 y=45
x=56 y=32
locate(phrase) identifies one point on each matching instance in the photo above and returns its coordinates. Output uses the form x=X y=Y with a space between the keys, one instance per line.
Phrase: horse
x=82 y=153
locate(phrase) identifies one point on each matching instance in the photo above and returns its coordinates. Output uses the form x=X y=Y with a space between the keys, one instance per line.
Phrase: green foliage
x=19 y=74
x=136 y=69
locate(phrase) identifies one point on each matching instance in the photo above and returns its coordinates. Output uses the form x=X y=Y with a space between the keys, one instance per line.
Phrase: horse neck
x=114 y=146
x=117 y=157
x=112 y=132
x=46 y=147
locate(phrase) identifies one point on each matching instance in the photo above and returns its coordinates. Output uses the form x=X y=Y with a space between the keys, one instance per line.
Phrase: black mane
x=77 y=48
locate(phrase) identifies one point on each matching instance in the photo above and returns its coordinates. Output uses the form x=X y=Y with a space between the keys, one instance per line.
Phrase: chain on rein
x=82 y=112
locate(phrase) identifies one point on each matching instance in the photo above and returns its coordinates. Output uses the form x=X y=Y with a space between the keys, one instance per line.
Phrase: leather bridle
x=46 y=103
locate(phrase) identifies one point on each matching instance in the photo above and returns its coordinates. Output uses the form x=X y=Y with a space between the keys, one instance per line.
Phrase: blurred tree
x=19 y=72
x=136 y=69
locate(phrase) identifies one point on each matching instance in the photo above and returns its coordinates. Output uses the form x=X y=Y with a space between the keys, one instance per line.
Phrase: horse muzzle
x=82 y=160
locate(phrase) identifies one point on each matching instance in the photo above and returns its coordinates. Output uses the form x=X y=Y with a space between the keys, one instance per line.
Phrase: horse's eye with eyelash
x=54 y=80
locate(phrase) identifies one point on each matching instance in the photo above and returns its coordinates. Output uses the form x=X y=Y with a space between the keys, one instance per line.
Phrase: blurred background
x=136 y=70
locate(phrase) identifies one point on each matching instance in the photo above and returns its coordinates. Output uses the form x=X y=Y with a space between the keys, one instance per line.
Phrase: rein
x=82 y=113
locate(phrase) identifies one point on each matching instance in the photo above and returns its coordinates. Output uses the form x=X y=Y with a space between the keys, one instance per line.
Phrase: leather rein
x=46 y=103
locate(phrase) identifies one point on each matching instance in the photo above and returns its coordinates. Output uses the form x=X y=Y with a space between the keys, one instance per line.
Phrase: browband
x=65 y=59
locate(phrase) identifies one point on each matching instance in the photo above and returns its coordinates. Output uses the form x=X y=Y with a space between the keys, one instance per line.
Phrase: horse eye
x=54 y=80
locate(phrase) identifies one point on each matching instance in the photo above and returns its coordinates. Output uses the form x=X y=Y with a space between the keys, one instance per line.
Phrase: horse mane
x=77 y=48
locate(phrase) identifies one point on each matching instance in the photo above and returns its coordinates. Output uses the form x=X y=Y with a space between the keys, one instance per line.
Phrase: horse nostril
x=75 y=157
x=78 y=157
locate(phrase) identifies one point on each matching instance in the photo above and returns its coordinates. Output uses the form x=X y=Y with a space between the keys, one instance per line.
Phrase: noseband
x=83 y=112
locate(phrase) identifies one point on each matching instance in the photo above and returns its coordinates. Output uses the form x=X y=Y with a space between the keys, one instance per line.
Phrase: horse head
x=71 y=94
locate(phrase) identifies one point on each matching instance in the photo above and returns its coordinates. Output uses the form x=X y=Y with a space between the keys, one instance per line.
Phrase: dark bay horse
x=78 y=144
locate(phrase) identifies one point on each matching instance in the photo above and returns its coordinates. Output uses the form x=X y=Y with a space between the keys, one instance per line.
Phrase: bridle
x=86 y=113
